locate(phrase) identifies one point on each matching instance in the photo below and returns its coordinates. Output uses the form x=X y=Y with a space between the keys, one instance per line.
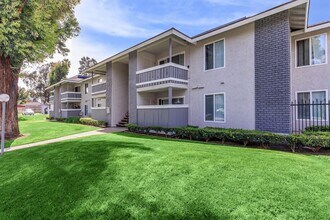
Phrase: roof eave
x=165 y=34
x=254 y=18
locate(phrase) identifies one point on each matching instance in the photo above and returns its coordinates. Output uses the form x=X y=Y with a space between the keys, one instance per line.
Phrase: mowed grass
x=121 y=176
x=36 y=128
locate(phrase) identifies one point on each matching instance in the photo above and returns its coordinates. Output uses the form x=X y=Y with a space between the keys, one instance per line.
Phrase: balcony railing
x=66 y=113
x=71 y=95
x=51 y=98
x=99 y=88
x=170 y=73
x=163 y=115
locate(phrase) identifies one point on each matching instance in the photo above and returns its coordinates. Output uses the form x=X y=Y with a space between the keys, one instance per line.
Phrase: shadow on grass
x=48 y=182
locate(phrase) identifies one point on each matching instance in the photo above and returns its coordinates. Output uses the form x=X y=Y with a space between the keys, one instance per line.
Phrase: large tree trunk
x=9 y=85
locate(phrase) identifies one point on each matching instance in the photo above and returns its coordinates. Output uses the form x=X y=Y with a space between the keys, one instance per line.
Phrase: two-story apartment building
x=82 y=96
x=244 y=74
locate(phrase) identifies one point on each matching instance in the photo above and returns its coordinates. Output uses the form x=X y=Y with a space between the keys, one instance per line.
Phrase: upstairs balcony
x=71 y=96
x=162 y=76
x=99 y=88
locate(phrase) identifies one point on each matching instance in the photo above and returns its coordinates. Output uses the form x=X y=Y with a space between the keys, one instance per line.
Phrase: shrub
x=50 y=118
x=75 y=120
x=324 y=128
x=313 y=140
x=60 y=119
x=92 y=122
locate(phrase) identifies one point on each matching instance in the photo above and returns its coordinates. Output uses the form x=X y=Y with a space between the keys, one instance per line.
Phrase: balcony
x=66 y=113
x=70 y=96
x=99 y=88
x=163 y=76
x=169 y=116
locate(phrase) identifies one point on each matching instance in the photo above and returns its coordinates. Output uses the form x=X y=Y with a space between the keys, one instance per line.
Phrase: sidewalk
x=81 y=135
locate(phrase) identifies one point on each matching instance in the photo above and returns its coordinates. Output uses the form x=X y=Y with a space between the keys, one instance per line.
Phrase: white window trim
x=310 y=51
x=224 y=55
x=174 y=97
x=311 y=108
x=225 y=107
x=163 y=58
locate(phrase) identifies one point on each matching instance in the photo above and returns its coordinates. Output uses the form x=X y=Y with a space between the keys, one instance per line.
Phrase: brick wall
x=272 y=73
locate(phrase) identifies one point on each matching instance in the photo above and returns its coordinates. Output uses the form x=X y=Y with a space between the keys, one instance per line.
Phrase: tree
x=37 y=81
x=59 y=71
x=85 y=63
x=23 y=95
x=30 y=31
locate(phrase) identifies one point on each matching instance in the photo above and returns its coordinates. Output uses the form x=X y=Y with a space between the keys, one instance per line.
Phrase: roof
x=73 y=79
x=313 y=27
x=220 y=29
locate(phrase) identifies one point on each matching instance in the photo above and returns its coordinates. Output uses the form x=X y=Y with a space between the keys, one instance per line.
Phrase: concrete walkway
x=70 y=137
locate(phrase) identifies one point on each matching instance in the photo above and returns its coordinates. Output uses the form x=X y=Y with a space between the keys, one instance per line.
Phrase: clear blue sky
x=109 y=26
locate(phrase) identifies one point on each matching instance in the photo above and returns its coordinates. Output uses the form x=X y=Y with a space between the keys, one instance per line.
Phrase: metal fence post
x=3 y=119
x=3 y=99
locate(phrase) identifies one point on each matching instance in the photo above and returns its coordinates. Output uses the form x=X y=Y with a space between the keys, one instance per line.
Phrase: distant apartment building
x=244 y=74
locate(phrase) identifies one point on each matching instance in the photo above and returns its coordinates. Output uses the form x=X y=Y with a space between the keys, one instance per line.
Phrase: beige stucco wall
x=145 y=60
x=119 y=95
x=308 y=78
x=236 y=80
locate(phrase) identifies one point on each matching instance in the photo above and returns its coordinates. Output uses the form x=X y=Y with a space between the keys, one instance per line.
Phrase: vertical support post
x=92 y=78
x=3 y=119
x=170 y=95
x=170 y=50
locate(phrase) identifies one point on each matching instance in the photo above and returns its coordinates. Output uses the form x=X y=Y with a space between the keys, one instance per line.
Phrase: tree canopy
x=59 y=71
x=34 y=30
x=85 y=63
x=37 y=81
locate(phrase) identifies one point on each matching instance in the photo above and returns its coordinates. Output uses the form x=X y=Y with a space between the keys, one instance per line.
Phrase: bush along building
x=266 y=72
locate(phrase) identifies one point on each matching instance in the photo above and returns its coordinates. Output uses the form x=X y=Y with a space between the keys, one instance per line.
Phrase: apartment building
x=244 y=74
x=83 y=96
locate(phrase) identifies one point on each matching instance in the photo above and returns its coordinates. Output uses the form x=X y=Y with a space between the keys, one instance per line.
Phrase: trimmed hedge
x=84 y=121
x=92 y=122
x=324 y=128
x=238 y=136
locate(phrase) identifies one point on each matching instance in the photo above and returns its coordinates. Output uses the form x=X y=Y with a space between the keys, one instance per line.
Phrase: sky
x=110 y=26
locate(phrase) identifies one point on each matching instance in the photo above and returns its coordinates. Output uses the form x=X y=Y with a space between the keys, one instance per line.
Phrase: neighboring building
x=37 y=107
x=79 y=96
x=243 y=74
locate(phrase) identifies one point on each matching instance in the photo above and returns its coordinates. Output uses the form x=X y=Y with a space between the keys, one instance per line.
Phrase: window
x=215 y=55
x=77 y=89
x=99 y=80
x=175 y=101
x=311 y=51
x=86 y=88
x=310 y=105
x=215 y=107
x=178 y=59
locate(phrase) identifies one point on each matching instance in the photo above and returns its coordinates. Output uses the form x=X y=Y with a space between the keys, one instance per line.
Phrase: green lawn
x=36 y=128
x=123 y=176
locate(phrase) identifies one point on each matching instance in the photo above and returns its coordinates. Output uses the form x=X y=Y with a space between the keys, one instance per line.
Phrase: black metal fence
x=310 y=114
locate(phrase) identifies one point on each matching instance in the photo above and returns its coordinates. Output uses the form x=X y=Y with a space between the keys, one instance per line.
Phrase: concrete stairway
x=124 y=121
